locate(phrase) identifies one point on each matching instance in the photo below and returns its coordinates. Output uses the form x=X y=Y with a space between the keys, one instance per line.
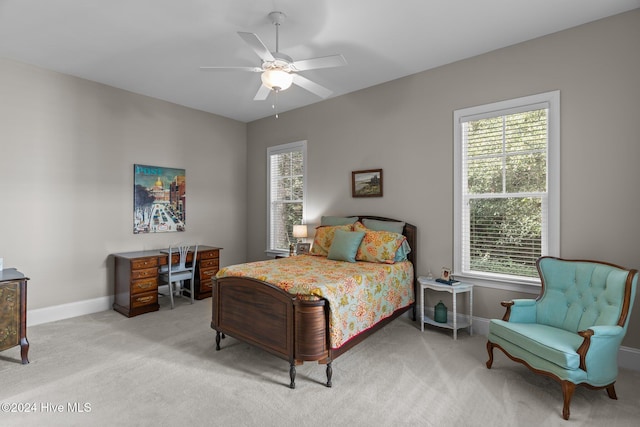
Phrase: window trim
x=280 y=149
x=551 y=100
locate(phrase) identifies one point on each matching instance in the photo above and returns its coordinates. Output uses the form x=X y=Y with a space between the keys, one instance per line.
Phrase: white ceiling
x=155 y=47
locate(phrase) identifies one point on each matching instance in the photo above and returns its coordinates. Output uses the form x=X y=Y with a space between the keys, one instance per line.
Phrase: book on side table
x=447 y=282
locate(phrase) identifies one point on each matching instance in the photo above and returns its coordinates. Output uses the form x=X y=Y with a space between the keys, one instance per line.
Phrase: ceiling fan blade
x=262 y=94
x=252 y=69
x=312 y=87
x=257 y=45
x=322 y=62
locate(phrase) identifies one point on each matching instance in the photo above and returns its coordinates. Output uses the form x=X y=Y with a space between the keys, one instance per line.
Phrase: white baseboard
x=628 y=357
x=66 y=311
x=480 y=326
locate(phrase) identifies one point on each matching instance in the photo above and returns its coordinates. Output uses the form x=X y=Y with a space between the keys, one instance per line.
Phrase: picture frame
x=159 y=199
x=446 y=273
x=303 y=248
x=366 y=183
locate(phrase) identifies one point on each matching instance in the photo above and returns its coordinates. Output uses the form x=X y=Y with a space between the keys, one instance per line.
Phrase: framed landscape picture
x=367 y=183
x=158 y=199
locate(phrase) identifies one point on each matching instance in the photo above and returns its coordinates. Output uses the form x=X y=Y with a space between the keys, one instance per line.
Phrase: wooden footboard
x=255 y=312
x=269 y=318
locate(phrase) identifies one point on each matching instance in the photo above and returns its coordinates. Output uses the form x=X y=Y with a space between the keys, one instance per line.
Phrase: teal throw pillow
x=402 y=252
x=345 y=245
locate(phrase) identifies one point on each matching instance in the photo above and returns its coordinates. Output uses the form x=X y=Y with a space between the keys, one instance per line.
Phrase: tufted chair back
x=577 y=295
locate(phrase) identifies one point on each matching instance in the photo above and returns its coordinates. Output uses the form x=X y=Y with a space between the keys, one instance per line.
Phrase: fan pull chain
x=275 y=103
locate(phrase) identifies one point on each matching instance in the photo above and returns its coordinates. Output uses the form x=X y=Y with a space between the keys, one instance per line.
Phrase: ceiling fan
x=278 y=70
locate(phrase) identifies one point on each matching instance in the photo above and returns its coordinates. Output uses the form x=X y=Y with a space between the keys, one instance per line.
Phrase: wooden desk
x=136 y=278
x=13 y=312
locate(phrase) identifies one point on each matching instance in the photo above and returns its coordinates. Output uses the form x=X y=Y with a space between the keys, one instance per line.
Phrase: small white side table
x=458 y=322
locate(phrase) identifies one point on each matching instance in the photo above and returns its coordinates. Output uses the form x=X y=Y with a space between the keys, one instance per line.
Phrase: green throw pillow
x=345 y=245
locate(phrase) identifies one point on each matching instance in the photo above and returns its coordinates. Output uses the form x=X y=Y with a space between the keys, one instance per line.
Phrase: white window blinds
x=286 y=181
x=503 y=191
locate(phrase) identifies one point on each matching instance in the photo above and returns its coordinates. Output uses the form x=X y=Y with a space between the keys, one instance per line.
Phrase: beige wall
x=66 y=172
x=405 y=127
x=69 y=145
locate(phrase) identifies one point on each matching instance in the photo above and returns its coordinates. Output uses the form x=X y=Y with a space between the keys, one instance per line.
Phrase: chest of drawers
x=13 y=312
x=207 y=267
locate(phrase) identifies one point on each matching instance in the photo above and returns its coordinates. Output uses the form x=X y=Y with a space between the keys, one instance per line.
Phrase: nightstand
x=458 y=321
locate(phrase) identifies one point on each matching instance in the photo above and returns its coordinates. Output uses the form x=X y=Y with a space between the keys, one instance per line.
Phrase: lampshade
x=300 y=231
x=277 y=79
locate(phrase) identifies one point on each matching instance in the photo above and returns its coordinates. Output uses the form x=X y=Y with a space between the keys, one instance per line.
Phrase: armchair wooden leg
x=567 y=392
x=611 y=391
x=490 y=351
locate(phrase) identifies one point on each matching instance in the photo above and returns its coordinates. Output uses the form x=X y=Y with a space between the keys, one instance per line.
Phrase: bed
x=315 y=307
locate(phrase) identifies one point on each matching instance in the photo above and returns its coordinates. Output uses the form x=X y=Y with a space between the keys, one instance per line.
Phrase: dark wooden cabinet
x=206 y=268
x=13 y=312
x=136 y=278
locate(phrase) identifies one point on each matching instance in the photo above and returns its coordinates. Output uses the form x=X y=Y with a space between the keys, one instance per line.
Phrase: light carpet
x=161 y=369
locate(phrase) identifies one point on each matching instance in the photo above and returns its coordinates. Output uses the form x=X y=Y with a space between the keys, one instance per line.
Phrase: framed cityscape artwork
x=158 y=199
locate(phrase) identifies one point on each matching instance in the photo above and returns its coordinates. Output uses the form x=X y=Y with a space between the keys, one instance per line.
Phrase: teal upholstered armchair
x=573 y=330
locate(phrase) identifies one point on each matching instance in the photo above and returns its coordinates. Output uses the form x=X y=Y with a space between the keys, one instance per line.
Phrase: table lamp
x=300 y=231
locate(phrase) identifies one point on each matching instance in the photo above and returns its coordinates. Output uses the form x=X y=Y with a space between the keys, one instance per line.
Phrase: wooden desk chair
x=174 y=275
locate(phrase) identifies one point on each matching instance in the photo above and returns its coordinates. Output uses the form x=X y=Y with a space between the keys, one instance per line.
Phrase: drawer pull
x=144 y=285
x=144 y=299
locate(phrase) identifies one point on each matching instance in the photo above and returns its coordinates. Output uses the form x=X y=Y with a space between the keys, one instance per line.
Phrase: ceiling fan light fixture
x=278 y=70
x=276 y=79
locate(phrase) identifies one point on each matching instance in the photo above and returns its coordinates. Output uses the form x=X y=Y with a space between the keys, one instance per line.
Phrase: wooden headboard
x=410 y=231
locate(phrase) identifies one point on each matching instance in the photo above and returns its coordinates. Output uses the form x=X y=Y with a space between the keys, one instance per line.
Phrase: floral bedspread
x=360 y=294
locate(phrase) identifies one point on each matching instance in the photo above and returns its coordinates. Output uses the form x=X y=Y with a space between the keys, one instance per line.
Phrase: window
x=506 y=185
x=286 y=183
